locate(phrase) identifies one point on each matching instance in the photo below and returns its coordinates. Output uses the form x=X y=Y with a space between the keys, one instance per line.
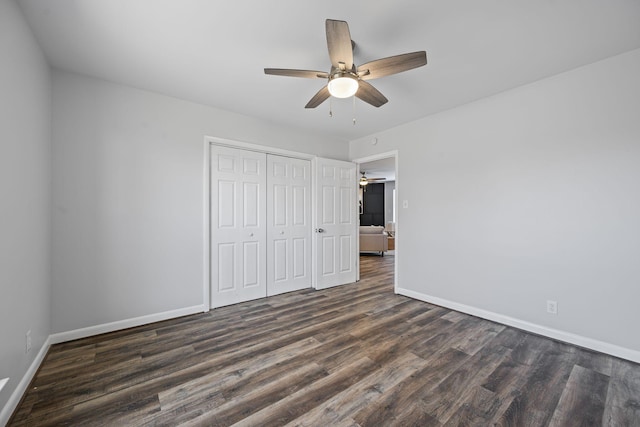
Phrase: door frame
x=386 y=155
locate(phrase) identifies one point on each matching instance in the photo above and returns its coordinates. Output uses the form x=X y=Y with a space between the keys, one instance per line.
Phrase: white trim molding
x=206 y=226
x=568 y=337
x=60 y=337
x=21 y=389
x=257 y=147
x=123 y=324
x=386 y=155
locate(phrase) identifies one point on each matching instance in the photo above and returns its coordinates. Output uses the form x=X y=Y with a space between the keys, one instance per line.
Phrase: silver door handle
x=250 y=234
x=282 y=232
x=319 y=230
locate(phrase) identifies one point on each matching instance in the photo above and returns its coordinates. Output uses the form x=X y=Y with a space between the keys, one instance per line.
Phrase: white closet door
x=238 y=227
x=288 y=224
x=336 y=223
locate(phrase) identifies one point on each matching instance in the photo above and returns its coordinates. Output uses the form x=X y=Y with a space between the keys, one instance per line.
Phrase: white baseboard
x=123 y=324
x=17 y=394
x=590 y=343
x=60 y=337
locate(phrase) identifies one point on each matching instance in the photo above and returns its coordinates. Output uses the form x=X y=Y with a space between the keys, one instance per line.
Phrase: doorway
x=380 y=171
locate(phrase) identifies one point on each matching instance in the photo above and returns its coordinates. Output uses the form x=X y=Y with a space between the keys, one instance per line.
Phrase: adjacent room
x=377 y=206
x=332 y=213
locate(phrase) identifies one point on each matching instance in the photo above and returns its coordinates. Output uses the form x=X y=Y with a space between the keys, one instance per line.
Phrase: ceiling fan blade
x=392 y=65
x=318 y=98
x=339 y=44
x=307 y=74
x=370 y=94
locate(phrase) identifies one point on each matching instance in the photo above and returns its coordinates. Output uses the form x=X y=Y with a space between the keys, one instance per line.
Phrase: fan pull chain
x=330 y=107
x=354 y=110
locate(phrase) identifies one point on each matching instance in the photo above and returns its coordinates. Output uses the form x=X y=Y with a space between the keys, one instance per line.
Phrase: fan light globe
x=343 y=87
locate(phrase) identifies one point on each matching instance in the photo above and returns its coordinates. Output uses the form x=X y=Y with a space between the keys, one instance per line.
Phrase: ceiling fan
x=345 y=79
x=364 y=180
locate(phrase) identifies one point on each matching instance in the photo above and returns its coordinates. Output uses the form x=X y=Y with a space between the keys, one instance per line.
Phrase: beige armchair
x=373 y=239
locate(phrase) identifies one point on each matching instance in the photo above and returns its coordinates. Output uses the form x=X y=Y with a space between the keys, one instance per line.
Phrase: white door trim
x=212 y=140
x=386 y=155
x=314 y=222
x=256 y=147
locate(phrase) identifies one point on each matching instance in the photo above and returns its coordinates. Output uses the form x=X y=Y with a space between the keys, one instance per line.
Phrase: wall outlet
x=405 y=204
x=28 y=341
x=552 y=307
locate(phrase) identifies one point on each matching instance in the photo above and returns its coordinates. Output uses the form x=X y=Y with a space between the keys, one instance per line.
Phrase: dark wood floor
x=347 y=356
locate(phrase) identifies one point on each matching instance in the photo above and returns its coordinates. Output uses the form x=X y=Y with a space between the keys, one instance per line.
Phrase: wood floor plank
x=444 y=334
x=353 y=355
x=458 y=387
x=428 y=316
x=260 y=396
x=347 y=403
x=197 y=389
x=298 y=404
x=484 y=332
x=478 y=407
x=510 y=338
x=583 y=398
x=535 y=403
x=592 y=360
x=399 y=405
x=622 y=407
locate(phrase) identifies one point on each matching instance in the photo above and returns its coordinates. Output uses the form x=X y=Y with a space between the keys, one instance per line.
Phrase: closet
x=260 y=224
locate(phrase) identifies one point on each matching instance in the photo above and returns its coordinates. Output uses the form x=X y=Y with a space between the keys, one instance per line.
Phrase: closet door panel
x=238 y=226
x=280 y=260
x=289 y=224
x=300 y=257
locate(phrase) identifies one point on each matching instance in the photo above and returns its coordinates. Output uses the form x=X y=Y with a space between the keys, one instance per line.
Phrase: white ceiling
x=382 y=168
x=214 y=52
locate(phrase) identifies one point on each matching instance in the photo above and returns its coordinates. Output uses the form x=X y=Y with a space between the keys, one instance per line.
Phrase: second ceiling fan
x=364 y=180
x=345 y=79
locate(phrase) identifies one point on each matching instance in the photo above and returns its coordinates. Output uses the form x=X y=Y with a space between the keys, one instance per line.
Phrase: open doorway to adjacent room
x=378 y=219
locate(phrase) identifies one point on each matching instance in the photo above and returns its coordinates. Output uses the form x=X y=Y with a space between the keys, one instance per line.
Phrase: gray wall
x=128 y=197
x=528 y=196
x=25 y=203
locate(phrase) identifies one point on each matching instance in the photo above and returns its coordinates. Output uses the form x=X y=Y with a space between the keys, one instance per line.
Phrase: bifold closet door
x=238 y=225
x=288 y=224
